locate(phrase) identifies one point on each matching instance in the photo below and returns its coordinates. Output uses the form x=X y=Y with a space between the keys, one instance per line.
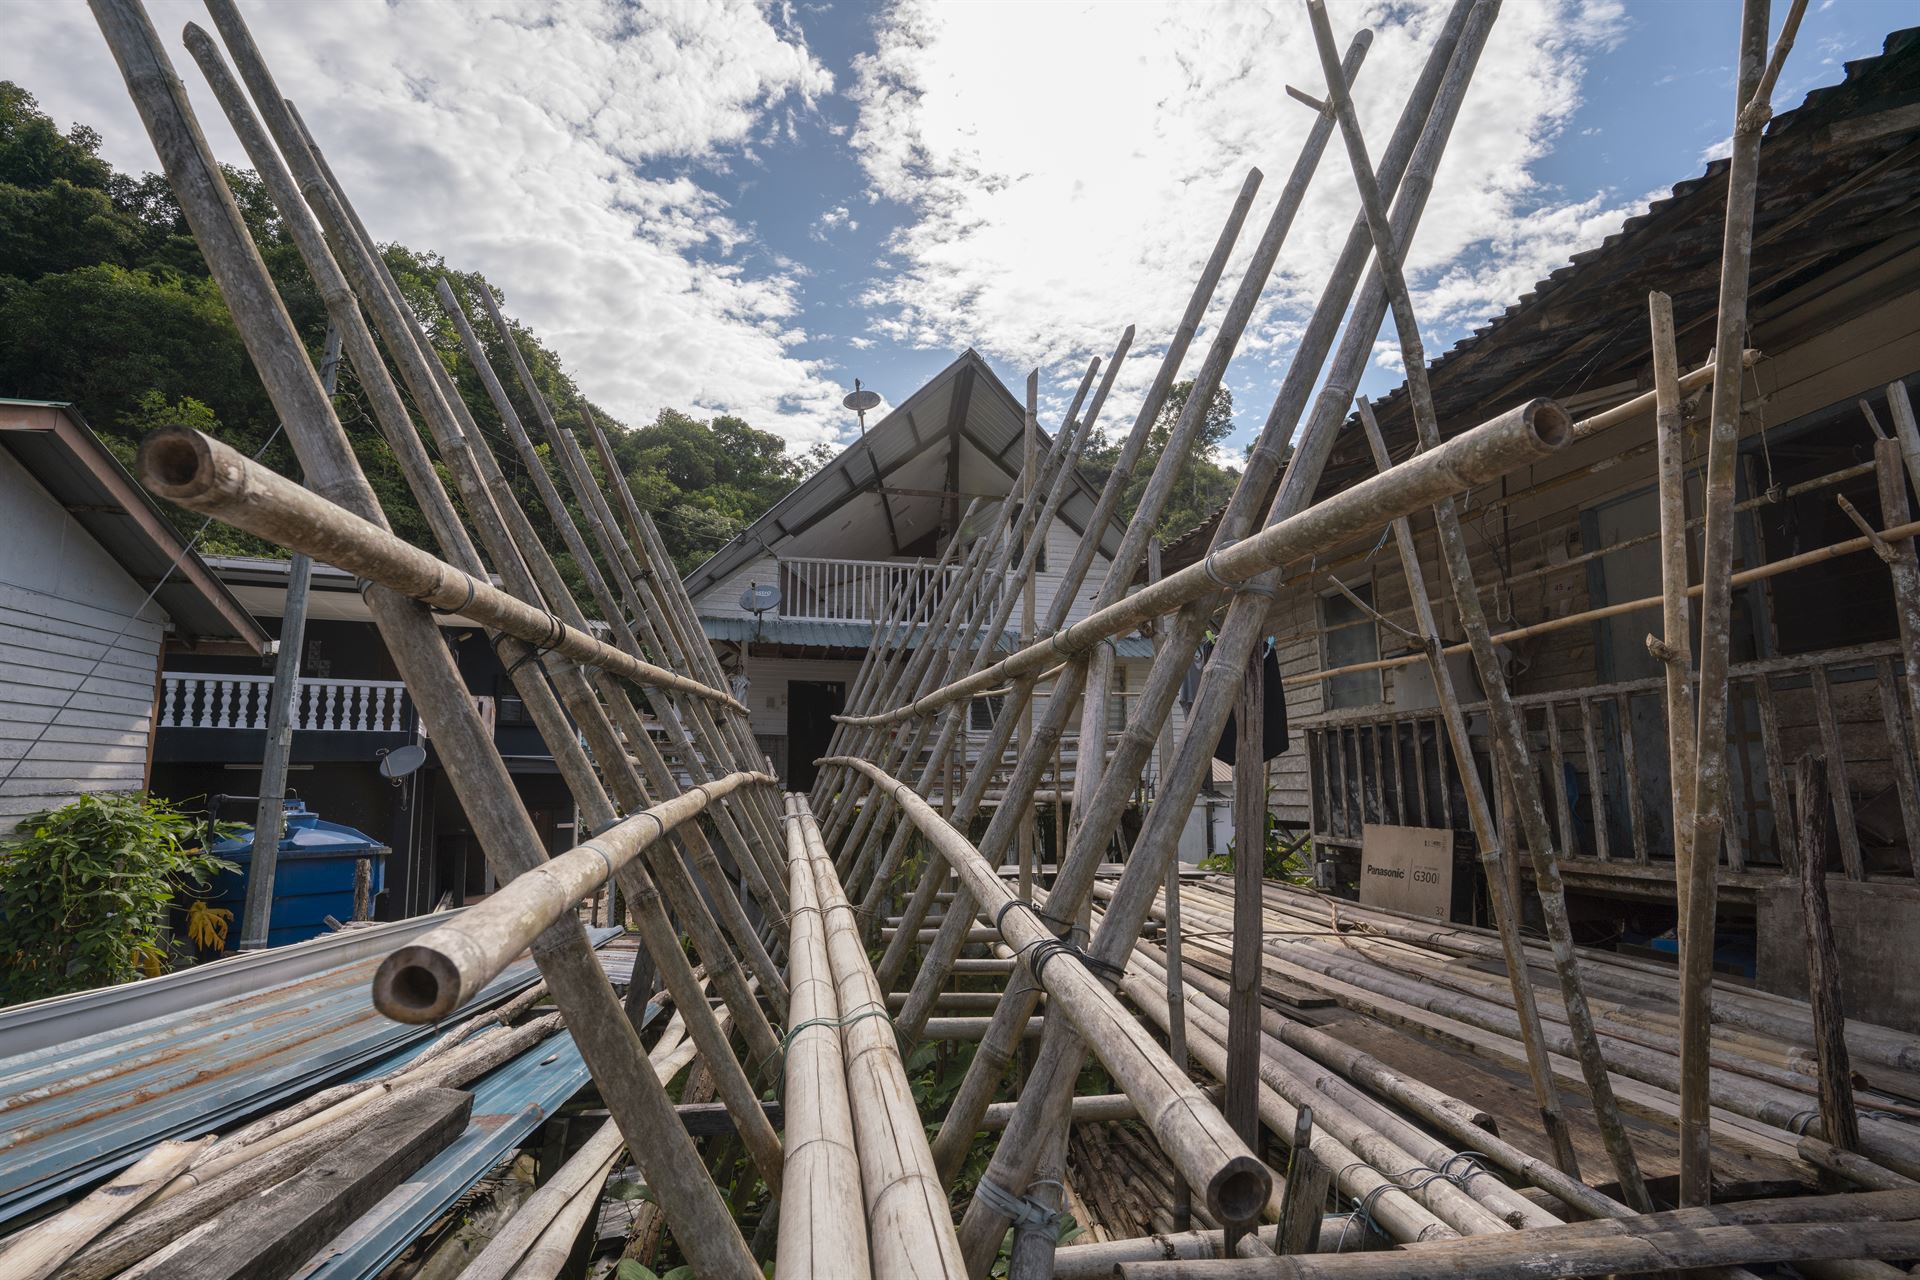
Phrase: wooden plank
x=1837 y=776
x=1901 y=750
x=270 y=1236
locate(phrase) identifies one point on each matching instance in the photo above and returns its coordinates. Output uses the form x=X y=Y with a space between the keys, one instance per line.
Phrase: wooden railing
x=856 y=590
x=210 y=701
x=1601 y=754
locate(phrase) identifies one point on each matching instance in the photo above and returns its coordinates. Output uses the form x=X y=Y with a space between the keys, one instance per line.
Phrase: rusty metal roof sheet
x=74 y=1109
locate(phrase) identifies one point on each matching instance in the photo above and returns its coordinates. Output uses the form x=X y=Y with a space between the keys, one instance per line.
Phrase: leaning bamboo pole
x=1706 y=809
x=1675 y=647
x=823 y=1231
x=1493 y=854
x=910 y=1227
x=485 y=789
x=1509 y=730
x=1209 y=1154
x=1414 y=156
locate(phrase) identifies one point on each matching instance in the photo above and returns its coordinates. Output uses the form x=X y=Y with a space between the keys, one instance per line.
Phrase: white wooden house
x=95 y=586
x=870 y=524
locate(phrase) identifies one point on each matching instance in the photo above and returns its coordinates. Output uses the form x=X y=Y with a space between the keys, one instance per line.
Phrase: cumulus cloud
x=559 y=149
x=1079 y=185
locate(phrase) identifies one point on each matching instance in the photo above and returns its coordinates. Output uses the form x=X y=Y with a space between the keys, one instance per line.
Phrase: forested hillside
x=105 y=302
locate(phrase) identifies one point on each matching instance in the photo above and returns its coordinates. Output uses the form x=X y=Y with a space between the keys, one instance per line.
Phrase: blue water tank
x=312 y=880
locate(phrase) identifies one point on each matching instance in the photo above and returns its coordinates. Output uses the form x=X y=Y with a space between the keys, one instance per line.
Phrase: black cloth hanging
x=1273 y=715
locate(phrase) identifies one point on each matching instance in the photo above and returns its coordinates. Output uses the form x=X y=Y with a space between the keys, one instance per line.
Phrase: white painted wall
x=65 y=606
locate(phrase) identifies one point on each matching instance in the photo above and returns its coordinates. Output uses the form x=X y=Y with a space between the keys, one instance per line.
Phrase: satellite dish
x=402 y=761
x=757 y=599
x=861 y=401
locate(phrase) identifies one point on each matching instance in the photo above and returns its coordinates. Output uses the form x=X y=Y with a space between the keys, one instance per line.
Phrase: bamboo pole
x=1417 y=145
x=823 y=1232
x=38 y=1252
x=1903 y=565
x=1189 y=1128
x=1704 y=810
x=1837 y=1116
x=1509 y=730
x=1242 y=1036
x=485 y=788
x=911 y=1229
x=430 y=977
x=1494 y=856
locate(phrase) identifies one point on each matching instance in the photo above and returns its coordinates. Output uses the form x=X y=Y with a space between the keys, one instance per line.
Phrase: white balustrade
x=210 y=701
x=855 y=590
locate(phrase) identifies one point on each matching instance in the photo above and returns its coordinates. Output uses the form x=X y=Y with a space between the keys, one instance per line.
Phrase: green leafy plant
x=84 y=888
x=1284 y=858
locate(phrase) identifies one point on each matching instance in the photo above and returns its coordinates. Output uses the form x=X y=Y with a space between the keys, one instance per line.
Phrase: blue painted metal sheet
x=508 y=1104
x=73 y=1112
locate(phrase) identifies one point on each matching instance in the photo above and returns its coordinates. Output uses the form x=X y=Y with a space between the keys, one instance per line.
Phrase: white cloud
x=507 y=135
x=833 y=220
x=1078 y=184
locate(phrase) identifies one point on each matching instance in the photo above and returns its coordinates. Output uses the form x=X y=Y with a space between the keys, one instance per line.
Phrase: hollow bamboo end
x=1552 y=425
x=416 y=984
x=177 y=463
x=1239 y=1192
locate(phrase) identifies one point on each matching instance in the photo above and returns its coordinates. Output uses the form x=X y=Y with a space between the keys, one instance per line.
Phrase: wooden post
x=1249 y=856
x=1674 y=649
x=1903 y=564
x=269 y=819
x=1838 y=1120
x=1716 y=610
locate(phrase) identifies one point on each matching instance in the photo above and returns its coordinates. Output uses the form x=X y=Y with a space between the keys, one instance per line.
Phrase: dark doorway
x=811 y=707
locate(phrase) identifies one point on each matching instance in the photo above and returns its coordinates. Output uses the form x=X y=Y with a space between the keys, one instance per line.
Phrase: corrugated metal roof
x=73 y=1110
x=508 y=1104
x=855 y=635
x=966 y=397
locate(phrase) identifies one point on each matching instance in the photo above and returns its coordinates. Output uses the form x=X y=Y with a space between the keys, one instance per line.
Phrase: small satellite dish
x=757 y=599
x=402 y=761
x=861 y=401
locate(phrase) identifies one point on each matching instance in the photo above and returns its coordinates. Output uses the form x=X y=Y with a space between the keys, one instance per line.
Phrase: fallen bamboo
x=823 y=1233
x=40 y=1250
x=427 y=979
x=1206 y=1150
x=584 y=1172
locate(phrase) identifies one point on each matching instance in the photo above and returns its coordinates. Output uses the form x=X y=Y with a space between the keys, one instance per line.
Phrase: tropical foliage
x=106 y=303
x=84 y=890
x=1204 y=481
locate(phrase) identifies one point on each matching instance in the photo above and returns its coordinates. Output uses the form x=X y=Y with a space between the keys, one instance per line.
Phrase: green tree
x=1203 y=482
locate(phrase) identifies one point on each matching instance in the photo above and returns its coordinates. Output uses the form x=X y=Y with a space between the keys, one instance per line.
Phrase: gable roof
x=964 y=405
x=60 y=451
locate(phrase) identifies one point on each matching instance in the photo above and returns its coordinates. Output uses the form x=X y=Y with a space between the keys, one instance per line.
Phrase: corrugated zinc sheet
x=508 y=1104
x=72 y=1112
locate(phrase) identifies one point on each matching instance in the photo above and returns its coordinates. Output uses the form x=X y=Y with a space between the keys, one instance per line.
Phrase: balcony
x=216 y=701
x=856 y=590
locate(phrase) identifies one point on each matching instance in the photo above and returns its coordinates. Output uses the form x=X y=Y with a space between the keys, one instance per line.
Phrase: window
x=1348 y=636
x=984 y=713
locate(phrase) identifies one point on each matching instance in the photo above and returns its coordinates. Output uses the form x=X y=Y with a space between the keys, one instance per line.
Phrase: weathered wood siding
x=69 y=634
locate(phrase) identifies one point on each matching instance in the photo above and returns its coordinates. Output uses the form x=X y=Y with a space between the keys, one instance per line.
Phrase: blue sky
x=741 y=207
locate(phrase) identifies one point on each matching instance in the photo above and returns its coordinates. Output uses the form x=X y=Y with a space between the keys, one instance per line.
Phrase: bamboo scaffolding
x=481 y=779
x=1212 y=1158
x=1509 y=731
x=1415 y=152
